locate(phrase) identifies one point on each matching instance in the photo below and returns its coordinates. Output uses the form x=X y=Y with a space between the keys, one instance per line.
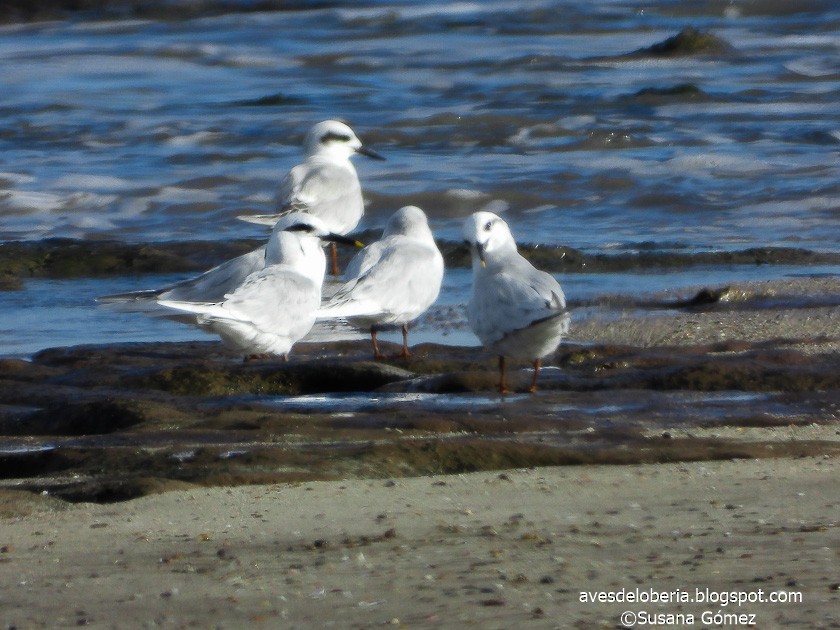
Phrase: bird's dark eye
x=487 y=226
x=332 y=136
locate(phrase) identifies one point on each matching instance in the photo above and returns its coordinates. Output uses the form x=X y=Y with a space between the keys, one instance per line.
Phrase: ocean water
x=146 y=130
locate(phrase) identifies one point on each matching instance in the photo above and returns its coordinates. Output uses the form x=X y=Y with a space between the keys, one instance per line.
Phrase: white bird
x=214 y=284
x=275 y=306
x=393 y=280
x=325 y=184
x=514 y=309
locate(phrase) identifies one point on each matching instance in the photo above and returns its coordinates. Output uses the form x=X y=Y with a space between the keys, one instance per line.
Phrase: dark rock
x=126 y=420
x=682 y=91
x=204 y=379
x=705 y=297
x=92 y=418
x=688 y=41
x=272 y=100
x=66 y=258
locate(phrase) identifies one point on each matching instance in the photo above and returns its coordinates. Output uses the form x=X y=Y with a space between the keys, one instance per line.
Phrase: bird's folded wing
x=274 y=297
x=515 y=301
x=308 y=186
x=213 y=285
x=400 y=276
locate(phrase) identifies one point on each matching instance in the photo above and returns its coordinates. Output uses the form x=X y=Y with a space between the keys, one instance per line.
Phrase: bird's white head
x=408 y=221
x=298 y=237
x=303 y=224
x=332 y=138
x=488 y=236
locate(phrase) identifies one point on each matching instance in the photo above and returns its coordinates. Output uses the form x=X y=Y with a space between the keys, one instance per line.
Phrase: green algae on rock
x=68 y=258
x=689 y=41
x=203 y=379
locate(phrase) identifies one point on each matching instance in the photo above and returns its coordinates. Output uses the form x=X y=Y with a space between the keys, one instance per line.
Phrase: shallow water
x=52 y=313
x=145 y=130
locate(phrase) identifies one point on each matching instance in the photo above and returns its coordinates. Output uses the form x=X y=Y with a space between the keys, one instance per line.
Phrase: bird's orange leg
x=502 y=380
x=376 y=353
x=334 y=259
x=537 y=365
x=405 y=353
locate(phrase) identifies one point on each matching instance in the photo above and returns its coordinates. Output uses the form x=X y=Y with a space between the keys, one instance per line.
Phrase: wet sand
x=484 y=550
x=269 y=517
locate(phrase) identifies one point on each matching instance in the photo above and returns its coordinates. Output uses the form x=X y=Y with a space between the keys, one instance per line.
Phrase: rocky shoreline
x=70 y=258
x=108 y=423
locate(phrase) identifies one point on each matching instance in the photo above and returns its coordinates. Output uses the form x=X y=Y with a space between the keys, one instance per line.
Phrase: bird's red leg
x=334 y=259
x=405 y=353
x=537 y=365
x=376 y=353
x=502 y=381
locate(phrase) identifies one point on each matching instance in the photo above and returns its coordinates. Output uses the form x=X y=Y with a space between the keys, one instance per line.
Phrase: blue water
x=149 y=130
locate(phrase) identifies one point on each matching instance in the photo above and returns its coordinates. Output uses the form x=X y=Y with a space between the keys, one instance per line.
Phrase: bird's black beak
x=479 y=249
x=370 y=153
x=344 y=240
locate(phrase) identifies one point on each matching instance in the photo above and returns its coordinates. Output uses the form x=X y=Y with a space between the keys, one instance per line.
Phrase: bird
x=325 y=184
x=215 y=283
x=514 y=309
x=275 y=306
x=392 y=281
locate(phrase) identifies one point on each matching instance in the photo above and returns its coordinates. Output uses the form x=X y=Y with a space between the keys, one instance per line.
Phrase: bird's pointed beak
x=369 y=153
x=476 y=249
x=480 y=248
x=344 y=240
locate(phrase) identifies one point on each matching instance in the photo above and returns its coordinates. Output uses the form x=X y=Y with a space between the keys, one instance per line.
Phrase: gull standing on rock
x=274 y=307
x=515 y=309
x=325 y=184
x=393 y=280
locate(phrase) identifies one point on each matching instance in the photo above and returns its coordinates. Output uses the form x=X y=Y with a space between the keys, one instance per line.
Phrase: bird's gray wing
x=405 y=278
x=512 y=299
x=360 y=265
x=274 y=299
x=543 y=284
x=324 y=190
x=213 y=285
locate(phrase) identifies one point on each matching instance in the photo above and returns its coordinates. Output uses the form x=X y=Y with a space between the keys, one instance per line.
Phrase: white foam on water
x=83 y=181
x=757 y=110
x=195 y=139
x=712 y=161
x=814 y=67
x=176 y=193
x=29 y=202
x=16 y=178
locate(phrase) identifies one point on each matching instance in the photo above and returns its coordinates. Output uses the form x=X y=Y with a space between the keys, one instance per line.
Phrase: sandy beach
x=520 y=548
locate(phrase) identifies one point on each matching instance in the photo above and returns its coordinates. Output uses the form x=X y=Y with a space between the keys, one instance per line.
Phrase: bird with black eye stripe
x=515 y=310
x=325 y=184
x=274 y=307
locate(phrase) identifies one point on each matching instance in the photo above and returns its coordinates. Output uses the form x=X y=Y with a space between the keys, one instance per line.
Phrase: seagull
x=393 y=280
x=214 y=284
x=514 y=309
x=275 y=306
x=325 y=184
